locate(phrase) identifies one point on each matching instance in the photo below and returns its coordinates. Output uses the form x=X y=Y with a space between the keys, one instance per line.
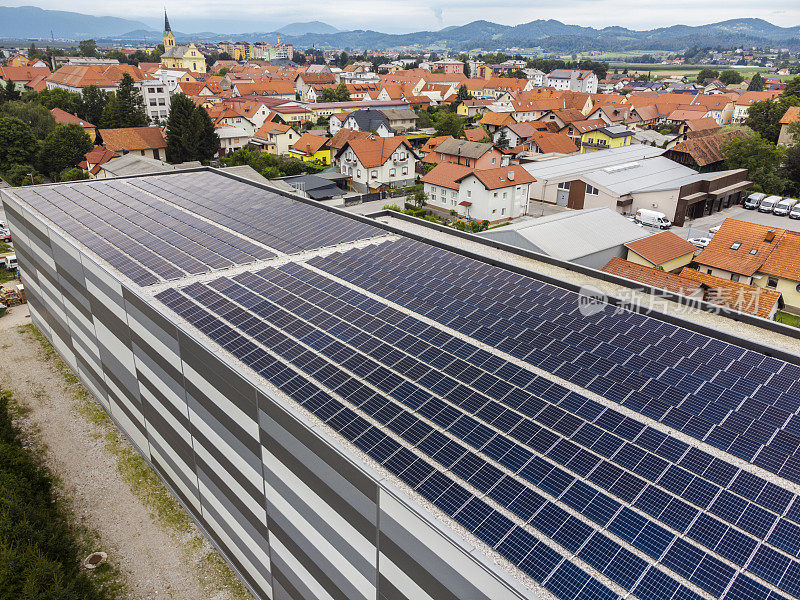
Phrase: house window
x=772 y=283
x=405 y=170
x=392 y=172
x=503 y=211
x=358 y=173
x=494 y=160
x=591 y=190
x=735 y=277
x=469 y=193
x=151 y=90
x=374 y=174
x=564 y=185
x=736 y=245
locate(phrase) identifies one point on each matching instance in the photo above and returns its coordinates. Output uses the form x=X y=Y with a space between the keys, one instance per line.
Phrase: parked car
x=5 y=235
x=652 y=218
x=753 y=200
x=768 y=203
x=713 y=230
x=700 y=242
x=795 y=212
x=784 y=207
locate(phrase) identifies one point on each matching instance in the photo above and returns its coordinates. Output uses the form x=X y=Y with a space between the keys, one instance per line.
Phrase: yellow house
x=187 y=58
x=781 y=271
x=664 y=251
x=613 y=136
x=312 y=148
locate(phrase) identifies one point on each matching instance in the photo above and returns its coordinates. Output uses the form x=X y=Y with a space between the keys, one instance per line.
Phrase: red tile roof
x=740 y=247
x=446 y=175
x=734 y=295
x=784 y=260
x=62 y=116
x=310 y=144
x=502 y=177
x=133 y=138
x=661 y=247
x=652 y=276
x=375 y=151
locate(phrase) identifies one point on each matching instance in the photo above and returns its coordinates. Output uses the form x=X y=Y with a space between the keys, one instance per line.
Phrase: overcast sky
x=234 y=16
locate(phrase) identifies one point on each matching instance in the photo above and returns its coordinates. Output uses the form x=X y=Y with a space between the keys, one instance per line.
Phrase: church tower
x=169 y=38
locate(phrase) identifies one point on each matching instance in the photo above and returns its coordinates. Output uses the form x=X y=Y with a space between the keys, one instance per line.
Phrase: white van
x=10 y=262
x=795 y=212
x=753 y=200
x=652 y=218
x=768 y=203
x=784 y=207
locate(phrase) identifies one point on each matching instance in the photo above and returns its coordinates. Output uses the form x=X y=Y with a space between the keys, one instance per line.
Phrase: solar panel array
x=155 y=229
x=556 y=481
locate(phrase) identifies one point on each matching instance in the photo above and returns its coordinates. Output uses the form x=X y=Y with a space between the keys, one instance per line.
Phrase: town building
x=144 y=141
x=184 y=57
x=377 y=163
x=476 y=155
x=574 y=80
x=665 y=251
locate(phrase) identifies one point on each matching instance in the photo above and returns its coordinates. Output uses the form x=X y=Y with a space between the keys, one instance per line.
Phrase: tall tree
x=131 y=106
x=181 y=109
x=87 y=48
x=462 y=94
x=756 y=83
x=11 y=93
x=63 y=149
x=110 y=118
x=792 y=87
x=209 y=140
x=93 y=101
x=36 y=116
x=707 y=74
x=59 y=98
x=762 y=160
x=730 y=77
x=764 y=117
x=791 y=169
x=17 y=143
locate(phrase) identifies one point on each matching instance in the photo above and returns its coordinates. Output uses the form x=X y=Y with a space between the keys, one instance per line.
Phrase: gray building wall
x=286 y=505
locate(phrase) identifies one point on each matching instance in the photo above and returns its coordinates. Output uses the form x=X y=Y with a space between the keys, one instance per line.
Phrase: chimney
x=511 y=175
x=769 y=236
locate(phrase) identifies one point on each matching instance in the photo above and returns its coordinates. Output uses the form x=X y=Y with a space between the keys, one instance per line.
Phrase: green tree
x=59 y=98
x=731 y=77
x=130 y=109
x=342 y=93
x=73 y=174
x=87 y=48
x=707 y=74
x=764 y=116
x=502 y=141
x=449 y=124
x=23 y=175
x=756 y=83
x=36 y=116
x=110 y=117
x=11 y=93
x=202 y=139
x=761 y=158
x=63 y=149
x=791 y=169
x=792 y=87
x=462 y=94
x=419 y=197
x=93 y=101
x=180 y=113
x=17 y=143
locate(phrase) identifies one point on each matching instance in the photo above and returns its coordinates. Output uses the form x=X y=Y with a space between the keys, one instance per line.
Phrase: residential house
x=401 y=119
x=62 y=116
x=781 y=271
x=378 y=162
x=231 y=138
x=271 y=88
x=515 y=134
x=738 y=250
x=275 y=138
x=493 y=195
x=792 y=115
x=312 y=148
x=449 y=65
x=474 y=107
x=476 y=155
x=574 y=80
x=476 y=134
x=545 y=142
x=493 y=121
x=304 y=81
x=604 y=138
x=561 y=117
x=665 y=251
x=369 y=120
x=743 y=103
x=735 y=295
x=145 y=141
x=343 y=136
x=95 y=158
x=22 y=77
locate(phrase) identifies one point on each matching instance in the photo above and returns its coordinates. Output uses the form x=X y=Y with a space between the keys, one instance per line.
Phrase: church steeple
x=169 y=37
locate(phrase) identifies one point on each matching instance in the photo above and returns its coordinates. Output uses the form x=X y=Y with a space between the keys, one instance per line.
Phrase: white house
x=231 y=138
x=275 y=138
x=536 y=76
x=488 y=194
x=574 y=80
x=378 y=162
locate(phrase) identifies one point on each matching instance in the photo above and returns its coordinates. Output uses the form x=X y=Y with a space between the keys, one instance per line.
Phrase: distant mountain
x=33 y=22
x=550 y=35
x=309 y=27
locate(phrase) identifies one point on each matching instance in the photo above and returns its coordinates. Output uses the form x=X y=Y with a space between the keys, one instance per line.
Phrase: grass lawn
x=788 y=319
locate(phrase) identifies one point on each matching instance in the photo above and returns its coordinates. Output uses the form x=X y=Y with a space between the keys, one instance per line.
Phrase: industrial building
x=349 y=411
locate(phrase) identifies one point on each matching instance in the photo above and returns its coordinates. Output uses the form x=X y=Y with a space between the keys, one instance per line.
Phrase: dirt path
x=157 y=560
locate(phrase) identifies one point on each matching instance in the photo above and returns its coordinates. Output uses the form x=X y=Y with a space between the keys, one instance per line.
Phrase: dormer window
x=736 y=245
x=753 y=251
